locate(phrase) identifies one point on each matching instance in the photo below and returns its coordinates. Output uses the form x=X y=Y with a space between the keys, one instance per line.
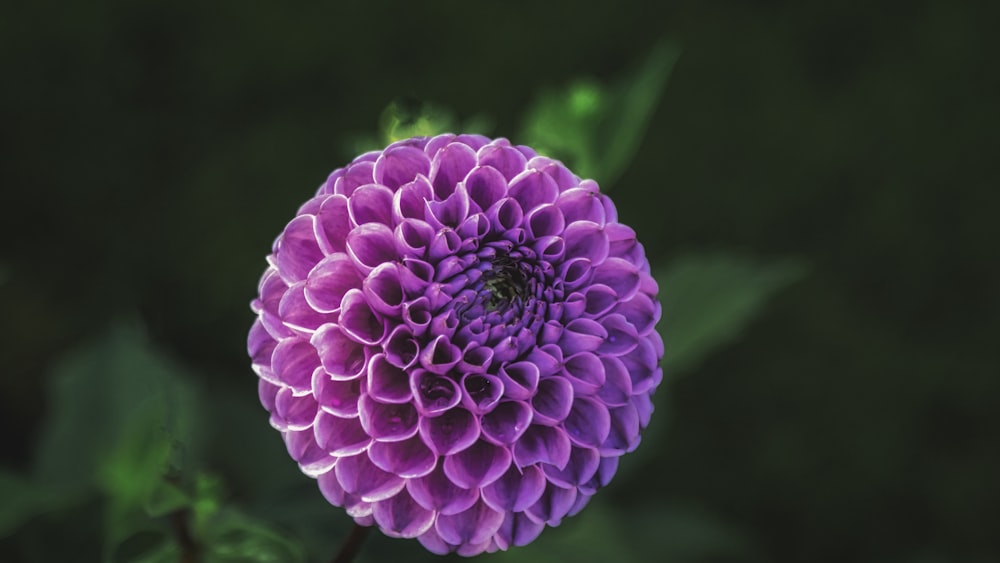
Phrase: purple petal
x=357 y=174
x=327 y=283
x=582 y=335
x=583 y=464
x=401 y=516
x=432 y=541
x=617 y=384
x=518 y=529
x=516 y=489
x=399 y=165
x=336 y=397
x=472 y=526
x=440 y=355
x=586 y=372
x=585 y=239
x=435 y=491
x=481 y=392
x=556 y=170
x=371 y=203
x=478 y=465
x=293 y=363
x=449 y=167
x=622 y=337
x=579 y=204
x=545 y=444
x=450 y=212
x=413 y=237
x=641 y=312
x=575 y=272
x=644 y=407
x=475 y=358
x=386 y=382
x=408 y=201
x=401 y=348
x=505 y=215
x=553 y=505
x=358 y=322
x=451 y=432
x=267 y=392
x=295 y=413
x=506 y=159
x=302 y=447
x=485 y=186
x=624 y=435
x=333 y=222
x=409 y=458
x=553 y=401
x=342 y=358
x=550 y=248
x=334 y=493
x=298 y=250
x=271 y=288
x=548 y=359
x=520 y=379
x=383 y=289
x=340 y=436
x=545 y=220
x=387 y=422
x=445 y=243
x=588 y=422
x=371 y=244
x=599 y=299
x=532 y=188
x=642 y=364
x=417 y=315
x=619 y=275
x=357 y=475
x=434 y=393
x=506 y=422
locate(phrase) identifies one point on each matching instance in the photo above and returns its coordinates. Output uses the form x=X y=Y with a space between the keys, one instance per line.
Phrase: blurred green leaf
x=596 y=129
x=231 y=536
x=708 y=299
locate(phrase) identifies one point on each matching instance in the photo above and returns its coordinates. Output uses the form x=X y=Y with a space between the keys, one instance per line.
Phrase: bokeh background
x=153 y=150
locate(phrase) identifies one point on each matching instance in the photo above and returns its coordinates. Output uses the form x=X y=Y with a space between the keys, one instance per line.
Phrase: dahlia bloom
x=456 y=338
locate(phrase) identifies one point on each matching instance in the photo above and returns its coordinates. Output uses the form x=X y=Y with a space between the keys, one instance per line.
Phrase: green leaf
x=231 y=536
x=596 y=129
x=709 y=299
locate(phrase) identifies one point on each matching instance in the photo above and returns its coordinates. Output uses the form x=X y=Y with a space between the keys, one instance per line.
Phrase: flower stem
x=352 y=544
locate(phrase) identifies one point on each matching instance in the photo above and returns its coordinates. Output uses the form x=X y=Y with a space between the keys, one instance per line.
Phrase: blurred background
x=815 y=185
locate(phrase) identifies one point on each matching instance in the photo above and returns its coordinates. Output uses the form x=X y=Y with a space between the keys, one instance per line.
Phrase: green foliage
x=596 y=129
x=709 y=298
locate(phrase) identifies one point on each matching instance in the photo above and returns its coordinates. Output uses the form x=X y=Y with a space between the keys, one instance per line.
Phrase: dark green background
x=152 y=151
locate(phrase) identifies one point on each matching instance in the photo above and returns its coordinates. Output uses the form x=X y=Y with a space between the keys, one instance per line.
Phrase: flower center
x=506 y=282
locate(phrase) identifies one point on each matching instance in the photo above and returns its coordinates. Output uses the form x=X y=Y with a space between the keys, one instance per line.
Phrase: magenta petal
x=297 y=249
x=334 y=396
x=434 y=393
x=485 y=187
x=359 y=476
x=624 y=434
x=342 y=357
x=401 y=516
x=417 y=315
x=583 y=464
x=357 y=320
x=449 y=167
x=516 y=490
x=387 y=422
x=401 y=348
x=431 y=540
x=520 y=380
x=357 y=174
x=553 y=505
x=545 y=444
x=585 y=239
x=440 y=355
x=564 y=179
x=327 y=283
x=297 y=315
x=371 y=244
x=472 y=526
x=399 y=165
x=478 y=465
x=413 y=237
x=313 y=460
x=451 y=432
x=293 y=363
x=553 y=401
x=545 y=220
x=436 y=491
x=450 y=212
x=330 y=487
x=408 y=458
x=481 y=392
x=409 y=201
x=588 y=422
x=340 y=436
x=586 y=372
x=519 y=530
x=386 y=382
x=507 y=422
x=371 y=203
x=507 y=160
x=333 y=222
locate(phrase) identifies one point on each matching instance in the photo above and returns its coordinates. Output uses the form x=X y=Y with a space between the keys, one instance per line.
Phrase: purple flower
x=456 y=338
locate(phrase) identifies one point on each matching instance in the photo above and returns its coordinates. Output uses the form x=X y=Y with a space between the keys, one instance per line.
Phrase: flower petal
x=478 y=465
x=516 y=489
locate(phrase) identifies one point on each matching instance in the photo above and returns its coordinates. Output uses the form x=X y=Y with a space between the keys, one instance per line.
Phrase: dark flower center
x=506 y=282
